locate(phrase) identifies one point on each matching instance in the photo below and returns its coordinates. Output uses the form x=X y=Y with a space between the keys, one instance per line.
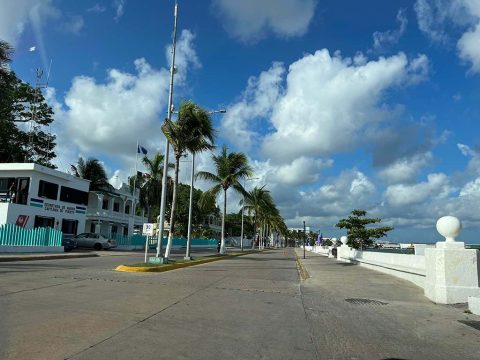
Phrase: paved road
x=250 y=307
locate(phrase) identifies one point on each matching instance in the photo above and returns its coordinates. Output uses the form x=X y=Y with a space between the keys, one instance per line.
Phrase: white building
x=112 y=212
x=300 y=229
x=34 y=196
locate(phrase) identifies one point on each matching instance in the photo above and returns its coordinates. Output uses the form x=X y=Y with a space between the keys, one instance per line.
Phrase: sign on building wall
x=148 y=229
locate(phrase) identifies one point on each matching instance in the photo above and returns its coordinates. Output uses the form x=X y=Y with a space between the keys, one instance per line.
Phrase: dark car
x=68 y=244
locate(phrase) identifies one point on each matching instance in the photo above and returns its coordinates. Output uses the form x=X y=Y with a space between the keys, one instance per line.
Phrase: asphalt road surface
x=249 y=307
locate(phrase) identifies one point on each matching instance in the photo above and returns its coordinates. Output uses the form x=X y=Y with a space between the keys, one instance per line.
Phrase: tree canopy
x=359 y=235
x=22 y=103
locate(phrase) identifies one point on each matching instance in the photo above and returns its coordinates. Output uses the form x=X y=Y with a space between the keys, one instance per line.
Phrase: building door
x=43 y=221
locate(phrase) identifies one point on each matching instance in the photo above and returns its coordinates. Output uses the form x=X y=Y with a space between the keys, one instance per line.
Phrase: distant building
x=112 y=212
x=307 y=229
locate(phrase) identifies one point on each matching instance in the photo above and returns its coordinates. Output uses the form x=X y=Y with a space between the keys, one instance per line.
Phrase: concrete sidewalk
x=358 y=313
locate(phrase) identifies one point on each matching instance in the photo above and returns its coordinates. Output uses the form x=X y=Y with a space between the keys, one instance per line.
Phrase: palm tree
x=230 y=169
x=192 y=132
x=259 y=202
x=92 y=170
x=256 y=201
x=150 y=186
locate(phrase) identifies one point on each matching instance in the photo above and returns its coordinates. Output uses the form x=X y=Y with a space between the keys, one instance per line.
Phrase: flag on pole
x=141 y=150
x=320 y=239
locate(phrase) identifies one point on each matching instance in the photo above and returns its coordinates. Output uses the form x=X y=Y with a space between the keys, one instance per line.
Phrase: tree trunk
x=174 y=207
x=222 y=244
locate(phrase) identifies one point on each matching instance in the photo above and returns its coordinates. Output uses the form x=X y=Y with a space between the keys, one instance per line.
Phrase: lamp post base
x=157 y=260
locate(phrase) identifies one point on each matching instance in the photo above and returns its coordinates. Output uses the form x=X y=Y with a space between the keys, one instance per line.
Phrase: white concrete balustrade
x=447 y=272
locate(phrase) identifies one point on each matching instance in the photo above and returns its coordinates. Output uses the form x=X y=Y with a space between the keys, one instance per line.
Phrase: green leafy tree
x=21 y=103
x=230 y=168
x=5 y=58
x=192 y=132
x=359 y=235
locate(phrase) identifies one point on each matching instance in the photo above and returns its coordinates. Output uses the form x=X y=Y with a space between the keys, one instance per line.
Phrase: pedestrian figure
x=218 y=246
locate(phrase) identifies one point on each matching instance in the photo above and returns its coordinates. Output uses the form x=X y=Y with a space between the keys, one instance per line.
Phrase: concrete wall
x=407 y=267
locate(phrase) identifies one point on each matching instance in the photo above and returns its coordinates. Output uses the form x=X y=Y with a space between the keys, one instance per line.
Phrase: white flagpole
x=134 y=184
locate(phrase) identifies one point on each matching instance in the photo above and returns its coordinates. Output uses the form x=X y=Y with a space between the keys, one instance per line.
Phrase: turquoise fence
x=122 y=240
x=12 y=235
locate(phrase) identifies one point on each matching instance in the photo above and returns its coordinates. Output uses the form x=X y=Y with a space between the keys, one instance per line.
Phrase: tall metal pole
x=304 y=236
x=243 y=208
x=161 y=218
x=189 y=236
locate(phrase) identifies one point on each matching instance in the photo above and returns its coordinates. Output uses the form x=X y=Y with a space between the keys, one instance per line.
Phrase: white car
x=95 y=241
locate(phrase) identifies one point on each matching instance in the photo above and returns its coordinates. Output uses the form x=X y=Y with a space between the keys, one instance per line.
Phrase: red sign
x=22 y=220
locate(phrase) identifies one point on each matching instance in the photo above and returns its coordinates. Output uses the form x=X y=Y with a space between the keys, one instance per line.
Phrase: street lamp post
x=189 y=232
x=189 y=236
x=161 y=218
x=304 y=238
x=243 y=208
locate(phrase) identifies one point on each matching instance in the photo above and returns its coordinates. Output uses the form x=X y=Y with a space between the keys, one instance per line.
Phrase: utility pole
x=161 y=218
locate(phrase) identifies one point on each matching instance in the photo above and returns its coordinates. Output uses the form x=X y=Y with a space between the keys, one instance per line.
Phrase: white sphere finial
x=344 y=240
x=449 y=227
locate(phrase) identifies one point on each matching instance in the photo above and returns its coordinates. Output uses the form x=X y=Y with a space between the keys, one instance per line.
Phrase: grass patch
x=178 y=261
x=177 y=264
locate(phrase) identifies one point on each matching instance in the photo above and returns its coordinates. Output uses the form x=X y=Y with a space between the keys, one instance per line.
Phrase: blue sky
x=338 y=104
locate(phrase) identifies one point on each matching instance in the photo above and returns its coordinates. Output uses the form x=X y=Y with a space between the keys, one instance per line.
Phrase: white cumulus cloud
x=436 y=17
x=329 y=101
x=107 y=118
x=256 y=103
x=390 y=37
x=406 y=169
x=251 y=20
x=436 y=186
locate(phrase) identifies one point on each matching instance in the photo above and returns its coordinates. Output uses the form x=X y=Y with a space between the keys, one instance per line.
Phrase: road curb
x=173 y=266
x=302 y=271
x=45 y=257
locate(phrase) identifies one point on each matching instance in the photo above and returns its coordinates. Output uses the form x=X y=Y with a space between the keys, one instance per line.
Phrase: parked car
x=68 y=243
x=95 y=241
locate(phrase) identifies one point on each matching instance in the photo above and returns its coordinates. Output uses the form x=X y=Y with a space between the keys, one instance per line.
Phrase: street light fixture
x=243 y=207
x=189 y=233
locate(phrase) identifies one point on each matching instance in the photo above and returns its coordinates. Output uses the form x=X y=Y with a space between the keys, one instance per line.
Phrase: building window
x=6 y=189
x=47 y=190
x=92 y=227
x=73 y=196
x=42 y=221
x=105 y=204
x=14 y=190
x=69 y=226
x=116 y=207
x=127 y=209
